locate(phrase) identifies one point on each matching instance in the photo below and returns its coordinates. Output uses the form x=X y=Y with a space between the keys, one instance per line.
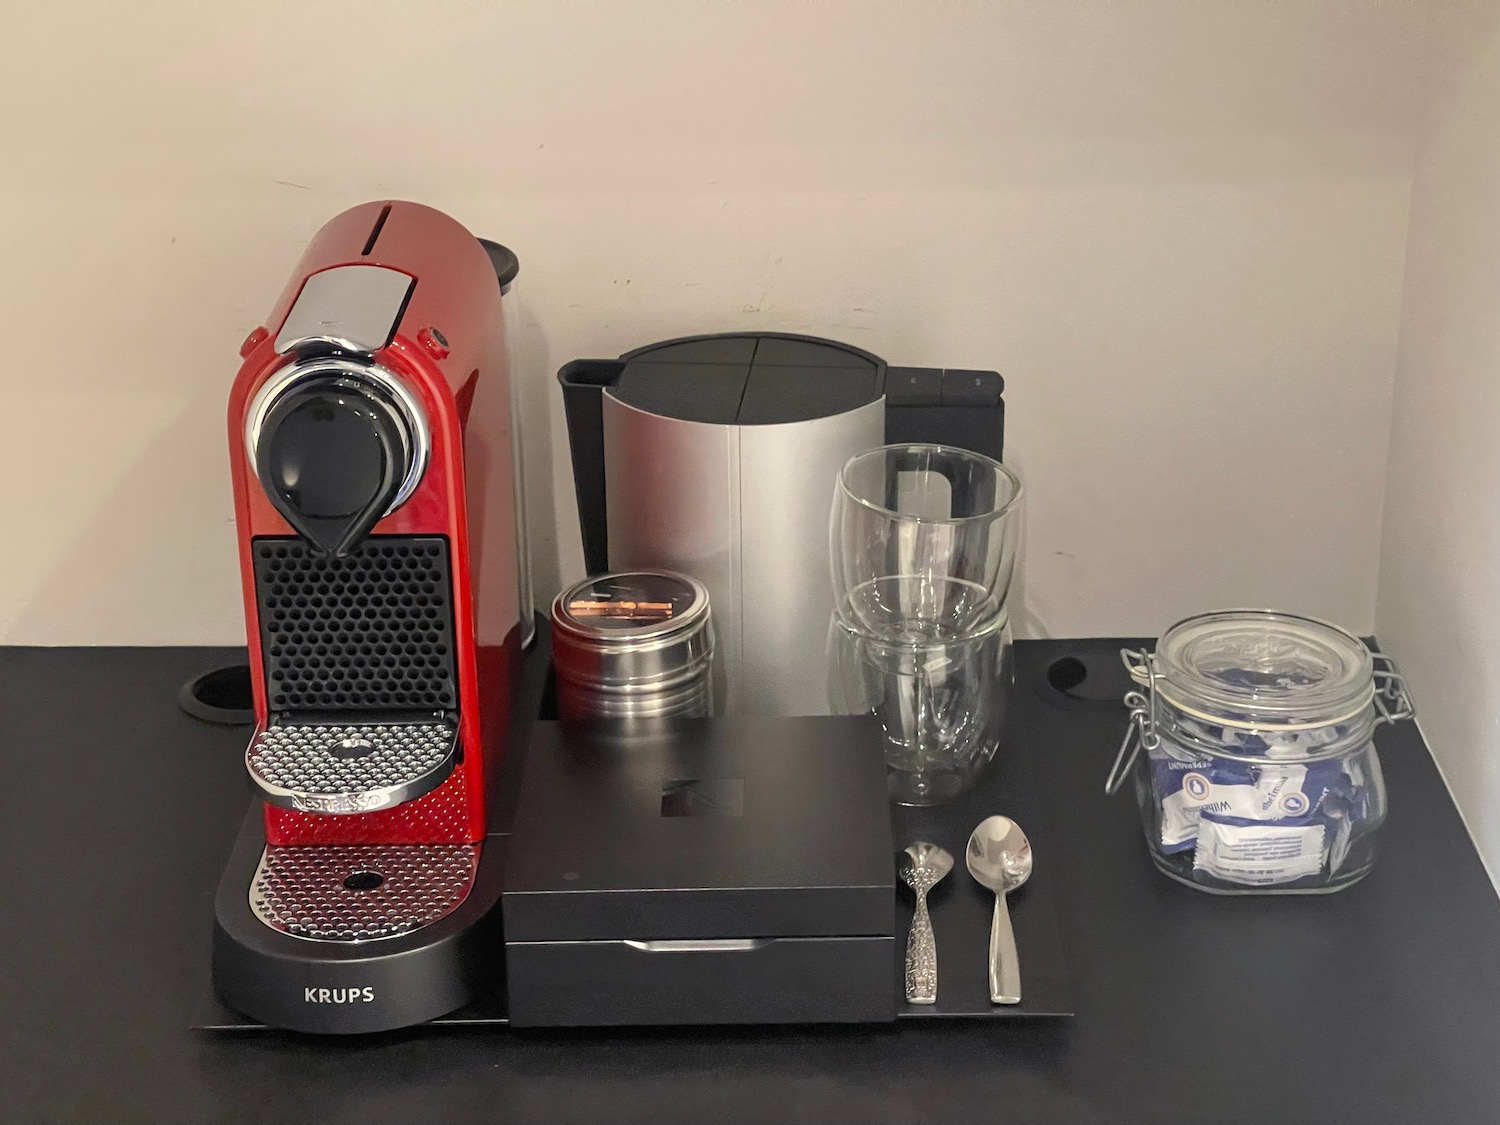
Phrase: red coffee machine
x=371 y=452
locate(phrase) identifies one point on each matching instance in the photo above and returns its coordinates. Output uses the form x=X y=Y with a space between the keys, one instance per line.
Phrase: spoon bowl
x=926 y=857
x=999 y=858
x=999 y=855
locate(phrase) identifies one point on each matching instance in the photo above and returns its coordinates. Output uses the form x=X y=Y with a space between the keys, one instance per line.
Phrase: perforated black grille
x=371 y=631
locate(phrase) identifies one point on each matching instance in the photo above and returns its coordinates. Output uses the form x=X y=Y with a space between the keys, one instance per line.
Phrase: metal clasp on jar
x=1392 y=699
x=1141 y=730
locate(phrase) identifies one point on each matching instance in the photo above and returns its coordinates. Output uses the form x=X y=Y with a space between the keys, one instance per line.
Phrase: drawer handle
x=701 y=945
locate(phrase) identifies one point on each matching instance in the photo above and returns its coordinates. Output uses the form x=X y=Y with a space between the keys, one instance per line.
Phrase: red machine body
x=448 y=350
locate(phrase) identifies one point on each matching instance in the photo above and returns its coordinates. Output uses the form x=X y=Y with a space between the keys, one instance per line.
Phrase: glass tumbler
x=941 y=703
x=922 y=541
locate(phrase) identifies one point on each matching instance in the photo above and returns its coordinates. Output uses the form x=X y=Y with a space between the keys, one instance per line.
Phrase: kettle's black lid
x=749 y=379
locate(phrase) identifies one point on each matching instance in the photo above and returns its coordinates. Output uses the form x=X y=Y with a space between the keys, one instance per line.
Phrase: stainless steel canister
x=633 y=644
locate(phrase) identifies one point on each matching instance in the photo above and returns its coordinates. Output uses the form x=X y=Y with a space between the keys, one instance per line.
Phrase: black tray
x=960 y=908
x=961 y=912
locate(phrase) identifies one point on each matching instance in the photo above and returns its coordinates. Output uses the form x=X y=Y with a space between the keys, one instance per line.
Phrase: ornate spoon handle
x=921 y=956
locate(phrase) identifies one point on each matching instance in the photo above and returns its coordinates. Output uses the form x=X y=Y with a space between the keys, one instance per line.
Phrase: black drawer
x=770 y=980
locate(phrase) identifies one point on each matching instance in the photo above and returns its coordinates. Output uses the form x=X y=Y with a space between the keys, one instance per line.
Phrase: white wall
x=1177 y=227
x=1439 y=605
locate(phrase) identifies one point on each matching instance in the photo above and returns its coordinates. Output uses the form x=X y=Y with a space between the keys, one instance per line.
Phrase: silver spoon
x=923 y=866
x=999 y=857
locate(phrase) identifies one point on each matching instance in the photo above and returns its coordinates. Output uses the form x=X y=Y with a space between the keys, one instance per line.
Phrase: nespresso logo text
x=338 y=995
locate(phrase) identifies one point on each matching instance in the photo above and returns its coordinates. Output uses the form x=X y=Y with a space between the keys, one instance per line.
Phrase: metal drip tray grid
x=361 y=892
x=351 y=768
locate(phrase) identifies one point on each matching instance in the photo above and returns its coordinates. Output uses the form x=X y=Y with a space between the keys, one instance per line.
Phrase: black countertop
x=1377 y=1004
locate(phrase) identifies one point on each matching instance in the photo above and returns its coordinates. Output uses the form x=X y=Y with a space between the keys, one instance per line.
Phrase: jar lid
x=640 y=627
x=1264 y=669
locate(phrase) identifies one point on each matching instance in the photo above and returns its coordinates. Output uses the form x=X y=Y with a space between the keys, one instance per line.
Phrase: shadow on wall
x=531 y=373
x=134 y=548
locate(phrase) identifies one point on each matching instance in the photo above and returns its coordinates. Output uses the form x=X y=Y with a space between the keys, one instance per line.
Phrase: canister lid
x=632 y=605
x=1264 y=668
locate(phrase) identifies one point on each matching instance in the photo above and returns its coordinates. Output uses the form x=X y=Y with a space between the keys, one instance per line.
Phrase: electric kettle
x=716 y=456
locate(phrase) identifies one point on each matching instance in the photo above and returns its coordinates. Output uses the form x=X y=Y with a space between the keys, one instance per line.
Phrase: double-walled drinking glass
x=923 y=545
x=941 y=704
x=923 y=541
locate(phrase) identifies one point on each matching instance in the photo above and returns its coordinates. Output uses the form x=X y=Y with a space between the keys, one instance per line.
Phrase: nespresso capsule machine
x=717 y=455
x=370 y=438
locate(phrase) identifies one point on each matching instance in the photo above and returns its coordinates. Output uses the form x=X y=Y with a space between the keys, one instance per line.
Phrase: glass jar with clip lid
x=1259 y=773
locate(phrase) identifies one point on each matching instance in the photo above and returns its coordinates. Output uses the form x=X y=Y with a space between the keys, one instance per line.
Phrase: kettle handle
x=949 y=406
x=583 y=382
